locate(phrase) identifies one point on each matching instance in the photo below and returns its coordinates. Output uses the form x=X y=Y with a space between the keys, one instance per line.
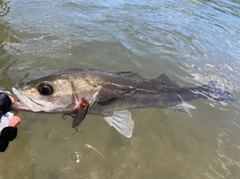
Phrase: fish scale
x=111 y=94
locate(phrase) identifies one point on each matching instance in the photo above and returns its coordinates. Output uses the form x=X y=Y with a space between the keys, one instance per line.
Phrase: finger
x=12 y=99
x=14 y=121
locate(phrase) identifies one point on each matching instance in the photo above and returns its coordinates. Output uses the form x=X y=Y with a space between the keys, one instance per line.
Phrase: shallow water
x=194 y=42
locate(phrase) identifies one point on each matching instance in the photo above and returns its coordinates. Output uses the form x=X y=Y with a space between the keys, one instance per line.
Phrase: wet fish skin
x=68 y=89
x=113 y=91
x=117 y=91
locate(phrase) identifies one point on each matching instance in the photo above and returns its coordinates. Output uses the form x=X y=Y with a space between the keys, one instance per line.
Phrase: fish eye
x=45 y=88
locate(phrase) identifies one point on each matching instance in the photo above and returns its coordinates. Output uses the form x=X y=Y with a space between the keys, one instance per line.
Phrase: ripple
x=195 y=41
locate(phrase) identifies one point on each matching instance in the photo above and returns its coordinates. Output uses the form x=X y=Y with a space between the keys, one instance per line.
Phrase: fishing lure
x=81 y=113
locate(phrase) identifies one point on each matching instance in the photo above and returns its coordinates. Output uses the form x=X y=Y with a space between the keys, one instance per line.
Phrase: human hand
x=8 y=121
x=15 y=120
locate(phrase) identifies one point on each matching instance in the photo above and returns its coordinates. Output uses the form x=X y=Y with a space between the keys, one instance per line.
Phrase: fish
x=109 y=94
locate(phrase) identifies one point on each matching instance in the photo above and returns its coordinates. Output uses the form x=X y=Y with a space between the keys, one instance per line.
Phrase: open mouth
x=19 y=104
x=27 y=103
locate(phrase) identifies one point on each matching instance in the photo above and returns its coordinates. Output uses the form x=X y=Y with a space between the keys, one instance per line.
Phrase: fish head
x=52 y=94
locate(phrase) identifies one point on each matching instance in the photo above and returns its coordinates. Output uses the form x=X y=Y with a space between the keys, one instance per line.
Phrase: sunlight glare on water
x=193 y=41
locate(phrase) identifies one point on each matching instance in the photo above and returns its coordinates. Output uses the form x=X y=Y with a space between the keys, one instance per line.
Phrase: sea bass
x=109 y=94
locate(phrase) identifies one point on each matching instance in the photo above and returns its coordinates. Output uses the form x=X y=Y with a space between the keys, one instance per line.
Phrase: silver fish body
x=110 y=94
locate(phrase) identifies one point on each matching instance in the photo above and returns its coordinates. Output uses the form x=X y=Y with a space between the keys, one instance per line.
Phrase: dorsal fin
x=163 y=78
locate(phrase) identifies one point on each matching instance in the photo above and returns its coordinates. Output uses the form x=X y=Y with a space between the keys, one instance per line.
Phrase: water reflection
x=193 y=41
x=4 y=8
x=7 y=59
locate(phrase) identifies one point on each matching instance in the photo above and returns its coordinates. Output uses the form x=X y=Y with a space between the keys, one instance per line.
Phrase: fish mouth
x=28 y=103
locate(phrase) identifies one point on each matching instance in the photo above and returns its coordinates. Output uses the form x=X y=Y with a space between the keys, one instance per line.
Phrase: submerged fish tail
x=210 y=91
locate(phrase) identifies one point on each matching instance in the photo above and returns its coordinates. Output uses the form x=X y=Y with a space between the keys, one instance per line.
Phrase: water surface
x=193 y=41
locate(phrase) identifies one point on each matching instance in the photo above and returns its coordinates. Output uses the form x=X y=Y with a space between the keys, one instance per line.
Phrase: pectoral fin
x=183 y=107
x=122 y=121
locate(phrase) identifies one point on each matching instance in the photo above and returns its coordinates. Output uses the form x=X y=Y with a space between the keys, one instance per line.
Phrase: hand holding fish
x=8 y=121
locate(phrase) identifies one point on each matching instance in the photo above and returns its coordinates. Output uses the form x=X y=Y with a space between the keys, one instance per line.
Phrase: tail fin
x=211 y=91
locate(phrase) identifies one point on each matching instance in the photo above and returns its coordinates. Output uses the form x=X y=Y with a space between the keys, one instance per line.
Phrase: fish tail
x=211 y=91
